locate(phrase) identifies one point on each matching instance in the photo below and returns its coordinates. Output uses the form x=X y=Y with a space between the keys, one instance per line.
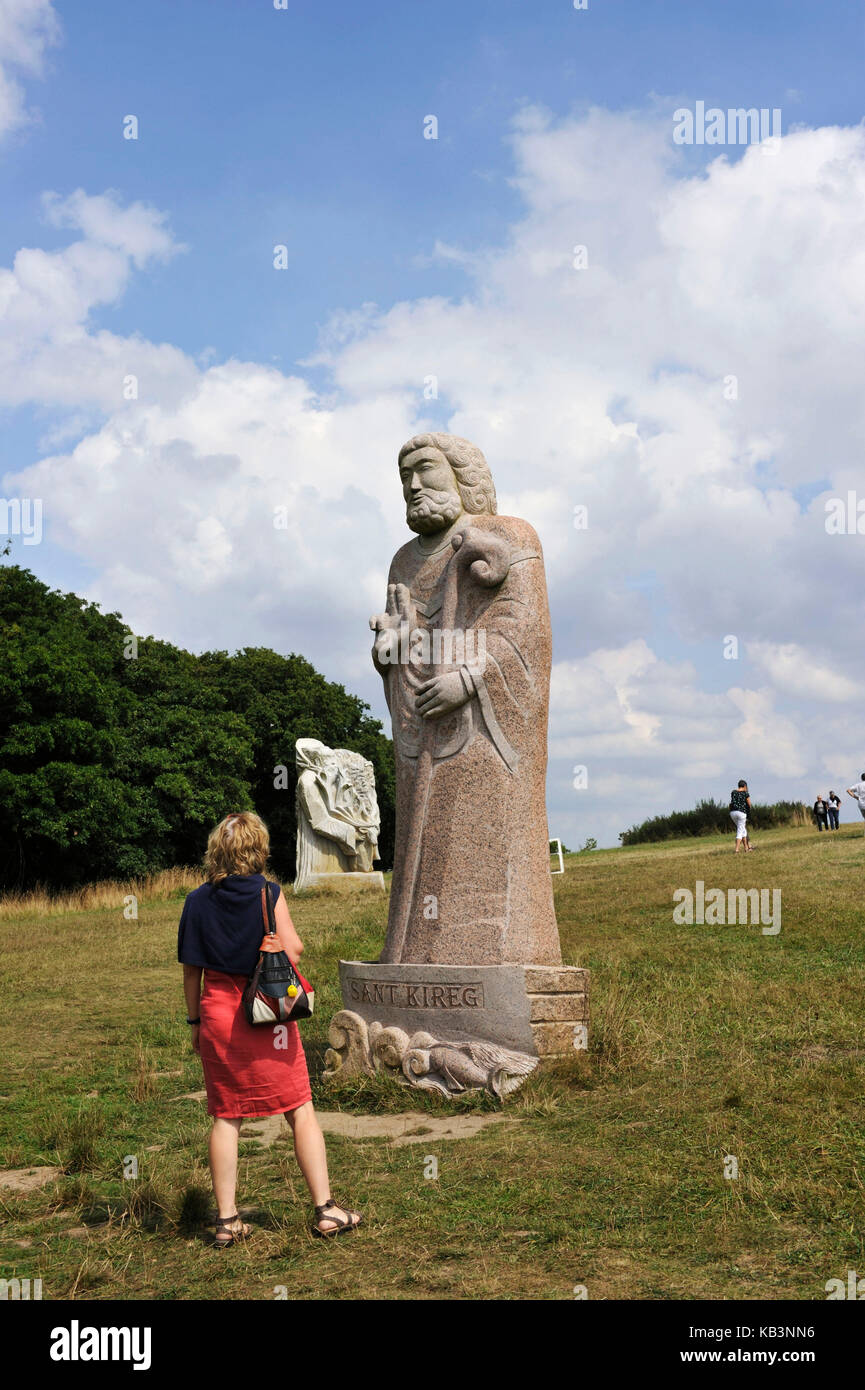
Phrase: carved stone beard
x=433 y=511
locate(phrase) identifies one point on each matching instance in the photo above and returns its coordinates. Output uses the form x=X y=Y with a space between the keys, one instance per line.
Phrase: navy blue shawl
x=221 y=924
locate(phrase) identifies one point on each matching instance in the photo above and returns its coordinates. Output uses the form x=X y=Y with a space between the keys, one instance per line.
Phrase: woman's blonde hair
x=240 y=844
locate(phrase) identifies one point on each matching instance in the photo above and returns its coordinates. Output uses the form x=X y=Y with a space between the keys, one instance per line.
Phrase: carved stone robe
x=476 y=887
x=337 y=818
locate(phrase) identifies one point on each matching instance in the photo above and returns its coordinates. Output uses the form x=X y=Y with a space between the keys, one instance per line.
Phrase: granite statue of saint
x=337 y=812
x=464 y=650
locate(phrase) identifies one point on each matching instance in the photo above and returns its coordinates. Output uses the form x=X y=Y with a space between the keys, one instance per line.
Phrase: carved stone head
x=442 y=477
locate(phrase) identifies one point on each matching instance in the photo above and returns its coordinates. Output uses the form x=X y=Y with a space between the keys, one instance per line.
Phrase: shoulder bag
x=275 y=992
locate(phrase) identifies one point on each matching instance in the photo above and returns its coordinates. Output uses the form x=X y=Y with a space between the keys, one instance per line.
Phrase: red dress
x=248 y=1070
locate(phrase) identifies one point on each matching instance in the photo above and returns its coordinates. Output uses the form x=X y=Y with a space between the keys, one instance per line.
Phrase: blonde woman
x=246 y=1074
x=740 y=809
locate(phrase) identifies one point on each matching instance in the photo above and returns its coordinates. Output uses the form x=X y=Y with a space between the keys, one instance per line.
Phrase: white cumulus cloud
x=684 y=387
x=27 y=29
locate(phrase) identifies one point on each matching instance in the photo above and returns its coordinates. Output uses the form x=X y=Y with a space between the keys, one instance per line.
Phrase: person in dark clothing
x=740 y=806
x=821 y=812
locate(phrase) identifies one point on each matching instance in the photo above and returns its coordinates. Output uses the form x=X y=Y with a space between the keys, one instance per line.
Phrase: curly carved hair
x=470 y=469
x=240 y=844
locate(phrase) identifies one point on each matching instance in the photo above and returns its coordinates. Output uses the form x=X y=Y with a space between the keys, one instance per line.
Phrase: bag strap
x=267 y=914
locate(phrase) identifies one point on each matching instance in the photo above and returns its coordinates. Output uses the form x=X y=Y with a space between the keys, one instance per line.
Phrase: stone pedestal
x=346 y=883
x=455 y=1028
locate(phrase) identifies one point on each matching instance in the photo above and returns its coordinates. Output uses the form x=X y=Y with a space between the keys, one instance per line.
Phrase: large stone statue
x=337 y=818
x=472 y=961
x=470 y=732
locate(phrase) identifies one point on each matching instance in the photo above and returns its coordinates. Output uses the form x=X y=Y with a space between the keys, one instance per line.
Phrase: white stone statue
x=337 y=818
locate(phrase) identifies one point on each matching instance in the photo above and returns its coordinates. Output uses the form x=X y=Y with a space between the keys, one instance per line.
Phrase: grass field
x=705 y=1041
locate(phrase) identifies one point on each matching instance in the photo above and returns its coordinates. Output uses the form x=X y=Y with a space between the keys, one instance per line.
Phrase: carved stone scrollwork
x=348 y=1054
x=421 y=1060
x=387 y=1048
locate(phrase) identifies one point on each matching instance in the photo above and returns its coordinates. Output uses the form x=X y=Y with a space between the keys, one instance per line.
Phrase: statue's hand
x=399 y=610
x=440 y=695
x=392 y=627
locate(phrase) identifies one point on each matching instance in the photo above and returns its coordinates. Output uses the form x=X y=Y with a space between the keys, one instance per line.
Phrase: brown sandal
x=234 y=1237
x=325 y=1213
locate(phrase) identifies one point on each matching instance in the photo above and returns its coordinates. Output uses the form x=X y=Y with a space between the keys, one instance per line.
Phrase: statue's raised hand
x=392 y=627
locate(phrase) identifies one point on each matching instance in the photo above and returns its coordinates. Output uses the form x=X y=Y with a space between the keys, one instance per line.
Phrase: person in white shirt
x=858 y=791
x=834 y=805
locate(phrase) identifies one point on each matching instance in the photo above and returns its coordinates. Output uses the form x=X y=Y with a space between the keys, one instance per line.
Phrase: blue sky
x=301 y=126
x=304 y=127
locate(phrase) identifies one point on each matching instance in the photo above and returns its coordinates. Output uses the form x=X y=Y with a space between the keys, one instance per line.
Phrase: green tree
x=282 y=699
x=117 y=756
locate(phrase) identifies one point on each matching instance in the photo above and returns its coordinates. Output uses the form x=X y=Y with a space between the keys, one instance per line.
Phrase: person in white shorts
x=740 y=805
x=858 y=790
